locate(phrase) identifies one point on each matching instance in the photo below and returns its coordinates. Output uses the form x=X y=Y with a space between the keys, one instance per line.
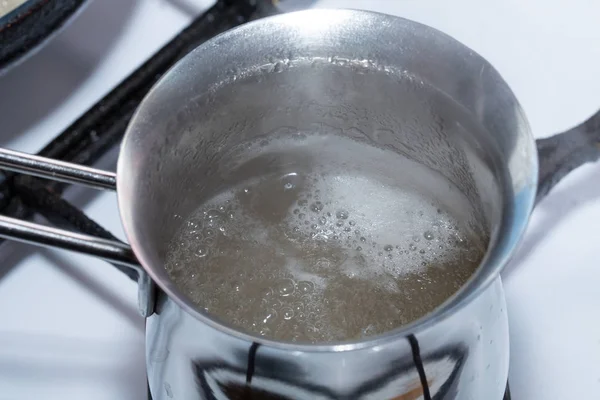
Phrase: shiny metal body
x=379 y=79
x=465 y=357
x=354 y=73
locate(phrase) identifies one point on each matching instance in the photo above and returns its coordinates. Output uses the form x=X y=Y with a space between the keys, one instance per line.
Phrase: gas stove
x=70 y=326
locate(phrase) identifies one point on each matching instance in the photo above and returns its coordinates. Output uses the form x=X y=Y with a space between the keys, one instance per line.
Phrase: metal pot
x=382 y=80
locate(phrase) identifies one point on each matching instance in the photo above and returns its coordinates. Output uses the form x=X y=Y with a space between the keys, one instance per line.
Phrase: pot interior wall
x=401 y=89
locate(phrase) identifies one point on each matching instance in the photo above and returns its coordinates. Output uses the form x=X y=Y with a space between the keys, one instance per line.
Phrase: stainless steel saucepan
x=438 y=102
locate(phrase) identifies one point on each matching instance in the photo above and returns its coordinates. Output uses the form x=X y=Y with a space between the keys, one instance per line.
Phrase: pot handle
x=109 y=250
x=562 y=153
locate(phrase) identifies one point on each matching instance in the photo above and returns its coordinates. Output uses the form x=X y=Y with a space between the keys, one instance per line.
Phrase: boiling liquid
x=319 y=238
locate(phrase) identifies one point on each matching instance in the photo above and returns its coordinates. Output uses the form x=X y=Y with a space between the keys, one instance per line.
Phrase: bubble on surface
x=341 y=214
x=322 y=253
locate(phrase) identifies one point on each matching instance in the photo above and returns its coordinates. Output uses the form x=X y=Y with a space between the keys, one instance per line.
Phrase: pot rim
x=515 y=216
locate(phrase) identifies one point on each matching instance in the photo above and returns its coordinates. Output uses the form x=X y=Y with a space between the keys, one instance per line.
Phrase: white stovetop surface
x=69 y=328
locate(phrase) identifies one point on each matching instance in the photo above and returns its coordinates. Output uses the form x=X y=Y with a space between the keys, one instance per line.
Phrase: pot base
x=506 y=392
x=506 y=396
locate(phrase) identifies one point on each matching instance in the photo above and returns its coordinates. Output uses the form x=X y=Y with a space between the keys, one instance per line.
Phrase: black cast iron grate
x=100 y=128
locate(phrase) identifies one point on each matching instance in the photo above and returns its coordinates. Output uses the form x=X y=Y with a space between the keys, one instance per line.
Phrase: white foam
x=323 y=249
